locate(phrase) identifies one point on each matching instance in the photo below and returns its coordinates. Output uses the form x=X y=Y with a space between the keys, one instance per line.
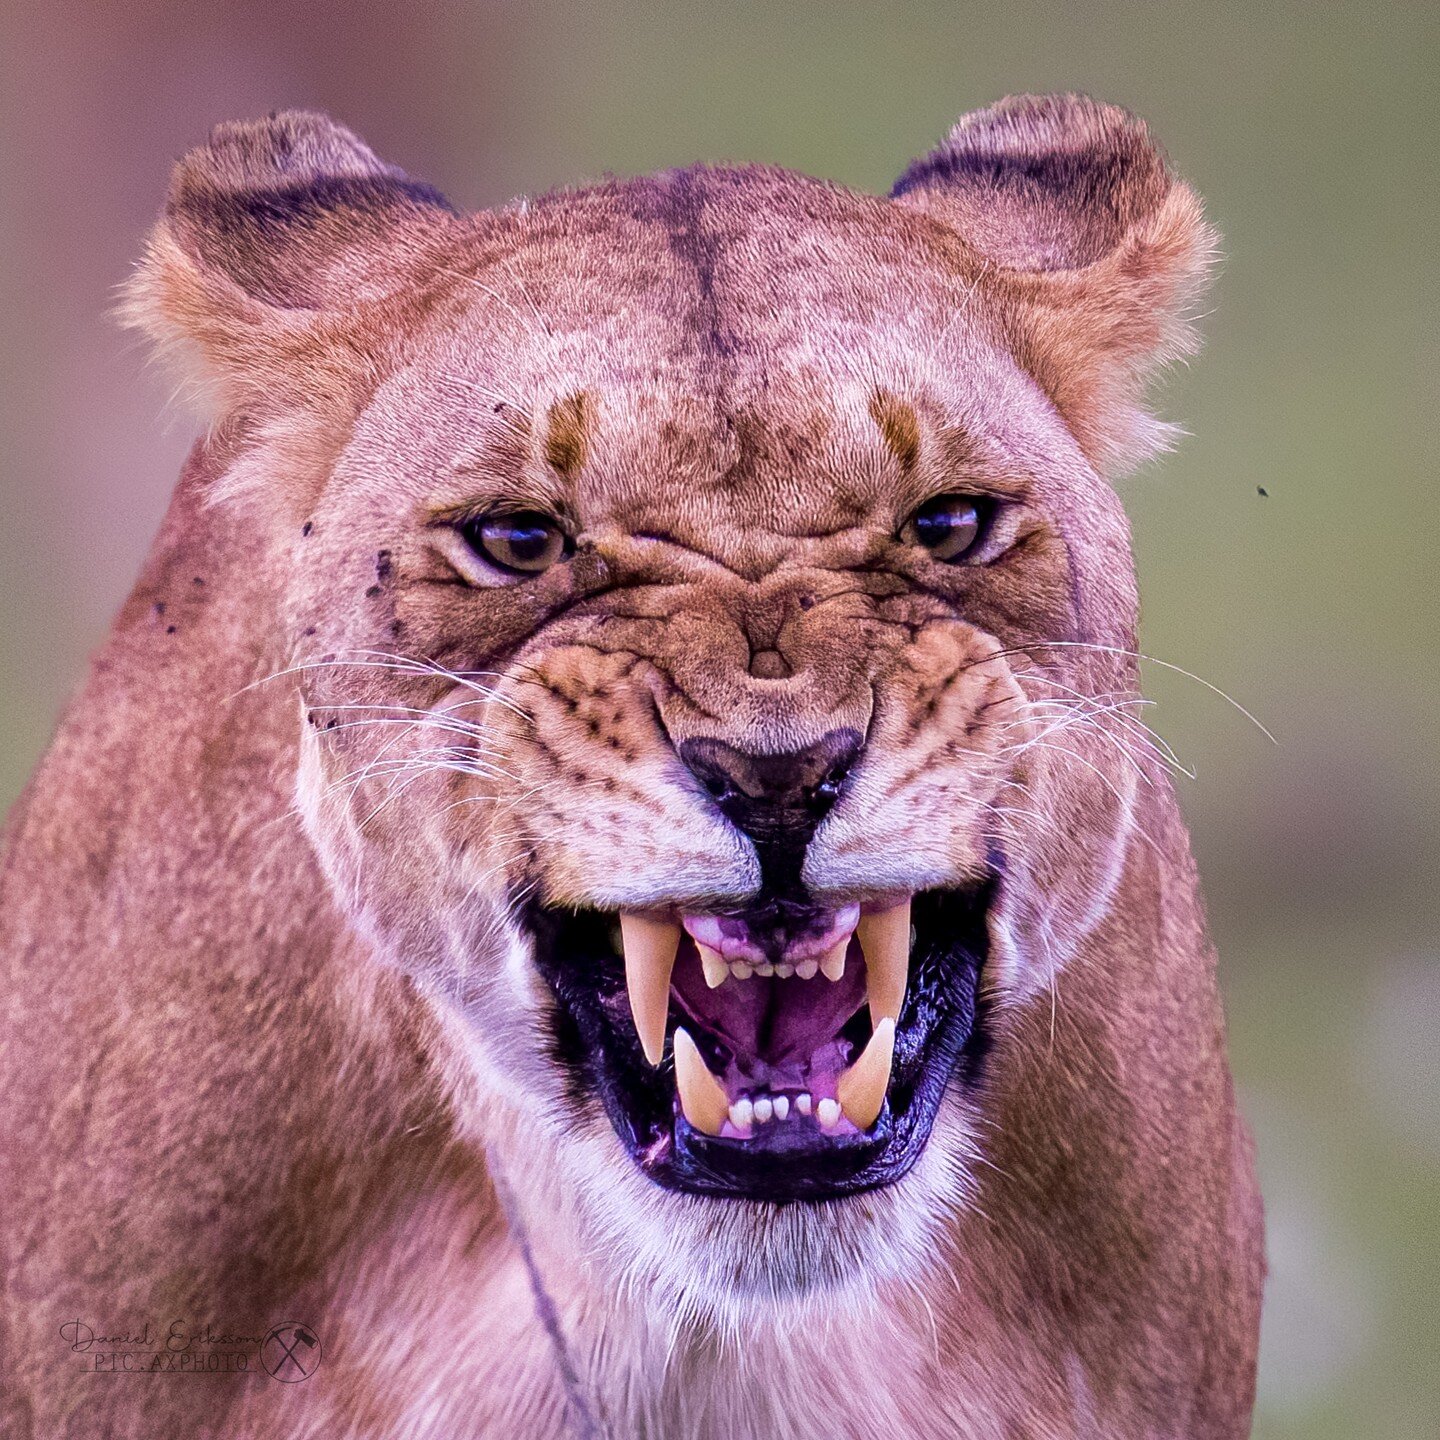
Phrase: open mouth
x=790 y=1052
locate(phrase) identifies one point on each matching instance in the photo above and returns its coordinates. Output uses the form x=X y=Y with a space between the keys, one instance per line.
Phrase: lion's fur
x=273 y=1047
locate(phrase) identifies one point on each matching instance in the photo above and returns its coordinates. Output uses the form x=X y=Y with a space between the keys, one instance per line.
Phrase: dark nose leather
x=777 y=800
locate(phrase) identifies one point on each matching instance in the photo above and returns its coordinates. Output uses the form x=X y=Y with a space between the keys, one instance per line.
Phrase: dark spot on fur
x=566 y=440
x=170 y=629
x=198 y=580
x=159 y=607
x=382 y=565
x=372 y=592
x=307 y=527
x=899 y=425
x=308 y=630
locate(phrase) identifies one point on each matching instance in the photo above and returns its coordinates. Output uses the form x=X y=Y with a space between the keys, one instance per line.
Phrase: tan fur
x=273 y=1044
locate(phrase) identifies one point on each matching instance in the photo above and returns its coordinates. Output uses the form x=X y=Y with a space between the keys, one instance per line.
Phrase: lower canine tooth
x=717 y=968
x=702 y=1096
x=885 y=939
x=862 y=1087
x=650 y=947
x=833 y=965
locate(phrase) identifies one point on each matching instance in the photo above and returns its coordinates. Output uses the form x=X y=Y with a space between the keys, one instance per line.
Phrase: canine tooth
x=765 y=968
x=717 y=969
x=808 y=969
x=784 y=971
x=650 y=947
x=742 y=1114
x=803 y=1102
x=862 y=1087
x=702 y=1096
x=833 y=964
x=885 y=939
x=740 y=970
x=764 y=1109
x=827 y=1111
x=782 y=1107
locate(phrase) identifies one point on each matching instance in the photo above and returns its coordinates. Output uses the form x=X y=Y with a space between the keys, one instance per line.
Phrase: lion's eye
x=526 y=541
x=948 y=526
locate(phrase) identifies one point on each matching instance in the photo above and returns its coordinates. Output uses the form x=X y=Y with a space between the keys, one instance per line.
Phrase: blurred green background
x=1312 y=132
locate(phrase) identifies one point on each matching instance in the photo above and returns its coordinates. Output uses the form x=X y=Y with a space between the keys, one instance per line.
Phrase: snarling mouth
x=790 y=1052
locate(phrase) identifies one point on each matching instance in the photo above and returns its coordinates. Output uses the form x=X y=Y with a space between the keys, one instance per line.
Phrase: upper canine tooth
x=717 y=968
x=702 y=1096
x=885 y=939
x=861 y=1089
x=650 y=947
x=832 y=966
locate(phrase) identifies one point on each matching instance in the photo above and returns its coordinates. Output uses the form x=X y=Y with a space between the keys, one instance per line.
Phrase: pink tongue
x=781 y=1032
x=735 y=939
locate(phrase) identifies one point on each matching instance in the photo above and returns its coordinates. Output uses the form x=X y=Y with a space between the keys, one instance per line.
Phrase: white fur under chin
x=724 y=1266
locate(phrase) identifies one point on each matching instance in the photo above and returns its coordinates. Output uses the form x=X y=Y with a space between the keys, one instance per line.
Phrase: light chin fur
x=719 y=1264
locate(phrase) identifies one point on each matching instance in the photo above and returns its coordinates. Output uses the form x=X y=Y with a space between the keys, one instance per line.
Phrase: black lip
x=941 y=1036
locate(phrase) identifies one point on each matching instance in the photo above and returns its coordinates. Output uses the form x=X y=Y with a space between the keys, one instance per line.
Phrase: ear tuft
x=1090 y=251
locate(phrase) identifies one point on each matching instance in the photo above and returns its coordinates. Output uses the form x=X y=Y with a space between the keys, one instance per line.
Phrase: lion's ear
x=276 y=240
x=1090 y=248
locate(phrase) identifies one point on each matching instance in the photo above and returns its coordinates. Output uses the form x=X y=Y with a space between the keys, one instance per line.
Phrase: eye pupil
x=526 y=541
x=949 y=526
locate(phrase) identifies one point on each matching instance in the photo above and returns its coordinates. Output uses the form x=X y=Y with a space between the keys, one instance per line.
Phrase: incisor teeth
x=742 y=1114
x=650 y=947
x=862 y=1087
x=833 y=964
x=808 y=969
x=764 y=1109
x=827 y=1111
x=702 y=1096
x=717 y=968
x=803 y=1102
x=885 y=939
x=782 y=1107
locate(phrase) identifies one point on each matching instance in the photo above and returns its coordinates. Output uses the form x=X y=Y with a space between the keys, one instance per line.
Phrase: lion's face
x=708 y=630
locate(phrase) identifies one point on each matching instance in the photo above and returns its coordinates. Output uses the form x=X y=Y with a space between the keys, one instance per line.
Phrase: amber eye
x=948 y=526
x=525 y=541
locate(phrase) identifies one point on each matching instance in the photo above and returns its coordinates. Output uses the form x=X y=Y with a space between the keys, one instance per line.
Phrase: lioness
x=608 y=880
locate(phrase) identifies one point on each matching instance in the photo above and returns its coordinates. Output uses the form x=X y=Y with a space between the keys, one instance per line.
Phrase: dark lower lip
x=941 y=1037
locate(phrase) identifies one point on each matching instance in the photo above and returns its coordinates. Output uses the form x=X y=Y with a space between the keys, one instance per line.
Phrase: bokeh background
x=1312 y=132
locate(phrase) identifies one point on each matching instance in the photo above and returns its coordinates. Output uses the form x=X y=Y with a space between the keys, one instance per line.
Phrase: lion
x=609 y=879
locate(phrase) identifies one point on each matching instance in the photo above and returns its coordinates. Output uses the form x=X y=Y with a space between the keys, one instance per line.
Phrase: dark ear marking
x=1044 y=182
x=1086 y=249
x=295 y=210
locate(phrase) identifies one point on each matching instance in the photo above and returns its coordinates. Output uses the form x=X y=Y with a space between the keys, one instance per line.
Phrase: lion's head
x=714 y=627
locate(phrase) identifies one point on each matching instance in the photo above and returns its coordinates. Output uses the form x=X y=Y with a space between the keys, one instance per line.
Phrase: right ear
x=277 y=239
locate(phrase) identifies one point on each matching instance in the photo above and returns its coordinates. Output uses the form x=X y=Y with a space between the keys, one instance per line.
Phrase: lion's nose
x=776 y=799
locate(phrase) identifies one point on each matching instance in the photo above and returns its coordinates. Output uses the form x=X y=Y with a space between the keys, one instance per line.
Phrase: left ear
x=1089 y=248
